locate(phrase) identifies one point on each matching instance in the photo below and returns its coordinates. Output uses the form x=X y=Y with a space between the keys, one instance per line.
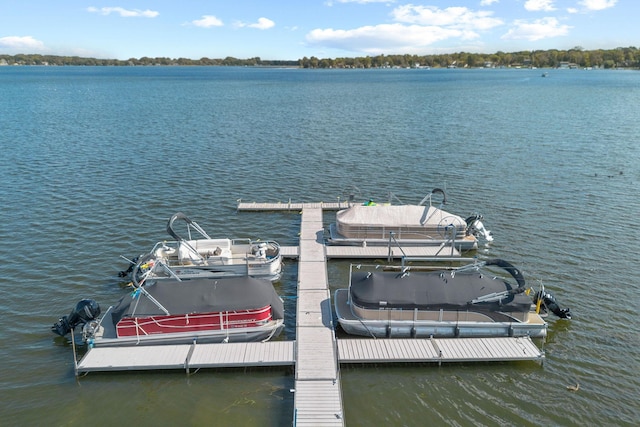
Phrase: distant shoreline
x=627 y=58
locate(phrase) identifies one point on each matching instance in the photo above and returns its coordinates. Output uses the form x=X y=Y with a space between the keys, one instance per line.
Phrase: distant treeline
x=33 y=59
x=622 y=57
x=627 y=57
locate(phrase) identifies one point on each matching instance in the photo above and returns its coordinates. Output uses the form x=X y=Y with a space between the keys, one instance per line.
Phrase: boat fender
x=85 y=311
x=551 y=304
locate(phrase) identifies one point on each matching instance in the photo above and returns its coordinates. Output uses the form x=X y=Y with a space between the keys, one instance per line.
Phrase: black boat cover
x=199 y=296
x=434 y=291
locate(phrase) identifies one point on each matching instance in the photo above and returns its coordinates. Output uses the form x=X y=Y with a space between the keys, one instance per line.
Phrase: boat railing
x=196 y=227
x=167 y=249
x=473 y=264
x=392 y=197
x=190 y=225
x=392 y=240
x=150 y=271
x=430 y=196
x=142 y=290
x=492 y=297
x=450 y=238
x=235 y=246
x=167 y=269
x=191 y=250
x=449 y=242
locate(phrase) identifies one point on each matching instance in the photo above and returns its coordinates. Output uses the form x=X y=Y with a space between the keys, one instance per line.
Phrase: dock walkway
x=291 y=206
x=316 y=353
x=318 y=395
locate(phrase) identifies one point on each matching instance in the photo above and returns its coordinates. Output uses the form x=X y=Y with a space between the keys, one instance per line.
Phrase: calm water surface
x=95 y=161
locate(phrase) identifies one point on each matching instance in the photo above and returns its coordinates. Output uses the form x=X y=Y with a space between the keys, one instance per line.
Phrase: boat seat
x=217 y=253
x=205 y=248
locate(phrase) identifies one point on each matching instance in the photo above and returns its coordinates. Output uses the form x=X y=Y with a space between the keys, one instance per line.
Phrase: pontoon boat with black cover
x=237 y=309
x=469 y=301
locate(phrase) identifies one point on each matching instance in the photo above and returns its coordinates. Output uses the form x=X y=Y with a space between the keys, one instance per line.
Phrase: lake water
x=96 y=160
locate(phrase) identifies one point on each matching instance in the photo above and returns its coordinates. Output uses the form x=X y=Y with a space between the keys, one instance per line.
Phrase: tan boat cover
x=407 y=221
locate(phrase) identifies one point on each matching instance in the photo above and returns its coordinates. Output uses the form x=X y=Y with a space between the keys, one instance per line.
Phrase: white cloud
x=539 y=5
x=387 y=38
x=488 y=2
x=416 y=28
x=207 y=21
x=125 y=13
x=536 y=30
x=597 y=4
x=25 y=43
x=454 y=17
x=263 y=24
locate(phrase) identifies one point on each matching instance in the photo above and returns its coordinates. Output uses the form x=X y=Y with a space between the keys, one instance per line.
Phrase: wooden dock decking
x=437 y=350
x=318 y=393
x=188 y=356
x=316 y=353
x=289 y=206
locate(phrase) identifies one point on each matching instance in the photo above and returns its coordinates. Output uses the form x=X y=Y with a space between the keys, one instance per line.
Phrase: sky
x=294 y=29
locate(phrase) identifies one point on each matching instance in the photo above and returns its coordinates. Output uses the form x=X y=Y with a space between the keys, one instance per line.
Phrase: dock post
x=73 y=347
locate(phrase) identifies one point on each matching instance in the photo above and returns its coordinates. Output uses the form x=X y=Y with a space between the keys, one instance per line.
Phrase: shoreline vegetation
x=621 y=57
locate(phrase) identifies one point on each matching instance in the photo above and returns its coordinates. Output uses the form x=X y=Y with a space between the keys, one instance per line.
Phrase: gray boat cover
x=434 y=291
x=200 y=296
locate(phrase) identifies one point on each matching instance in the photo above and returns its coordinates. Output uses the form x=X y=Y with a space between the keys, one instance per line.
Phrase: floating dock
x=316 y=352
x=188 y=356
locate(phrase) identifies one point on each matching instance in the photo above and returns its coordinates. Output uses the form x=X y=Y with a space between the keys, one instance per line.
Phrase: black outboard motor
x=550 y=303
x=85 y=310
x=132 y=264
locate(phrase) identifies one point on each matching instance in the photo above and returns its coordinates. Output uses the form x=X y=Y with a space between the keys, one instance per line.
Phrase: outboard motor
x=550 y=303
x=125 y=273
x=476 y=227
x=85 y=311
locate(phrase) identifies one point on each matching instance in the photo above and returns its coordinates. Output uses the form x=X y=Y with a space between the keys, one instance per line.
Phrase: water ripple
x=97 y=160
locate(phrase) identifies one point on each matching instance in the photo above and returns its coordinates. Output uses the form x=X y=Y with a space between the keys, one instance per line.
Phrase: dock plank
x=312 y=276
x=315 y=355
x=186 y=356
x=381 y=350
x=134 y=358
x=272 y=353
x=318 y=403
x=290 y=206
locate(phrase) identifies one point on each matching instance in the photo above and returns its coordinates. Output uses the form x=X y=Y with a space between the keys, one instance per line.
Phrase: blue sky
x=292 y=29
